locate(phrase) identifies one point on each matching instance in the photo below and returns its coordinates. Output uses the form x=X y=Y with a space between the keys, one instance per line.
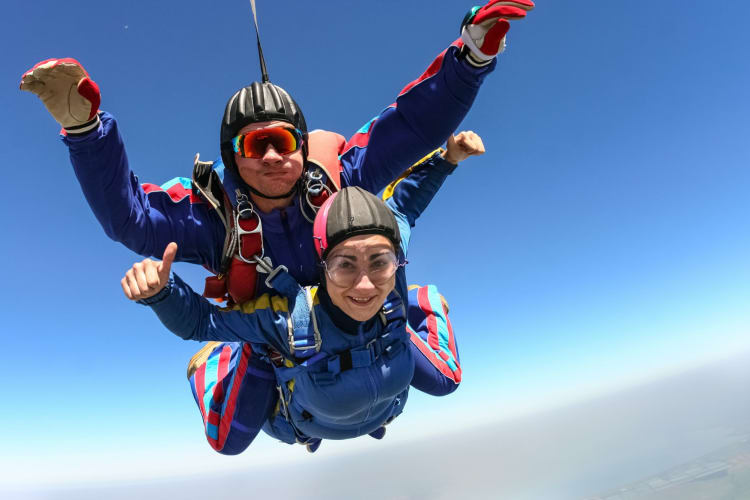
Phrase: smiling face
x=273 y=174
x=363 y=299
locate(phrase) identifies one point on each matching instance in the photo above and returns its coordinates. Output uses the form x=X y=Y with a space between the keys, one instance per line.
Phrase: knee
x=436 y=386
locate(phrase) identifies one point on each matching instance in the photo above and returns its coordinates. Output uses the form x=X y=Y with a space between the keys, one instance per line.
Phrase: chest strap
x=303 y=338
x=392 y=316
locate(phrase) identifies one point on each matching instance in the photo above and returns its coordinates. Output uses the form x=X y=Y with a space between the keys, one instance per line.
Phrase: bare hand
x=147 y=278
x=463 y=145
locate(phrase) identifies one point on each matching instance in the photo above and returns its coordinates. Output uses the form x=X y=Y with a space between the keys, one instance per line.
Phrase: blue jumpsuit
x=328 y=400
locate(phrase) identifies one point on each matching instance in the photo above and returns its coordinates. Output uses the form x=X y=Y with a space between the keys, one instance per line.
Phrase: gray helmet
x=353 y=212
x=259 y=102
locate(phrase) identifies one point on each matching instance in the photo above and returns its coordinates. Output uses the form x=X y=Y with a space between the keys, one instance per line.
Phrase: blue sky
x=603 y=238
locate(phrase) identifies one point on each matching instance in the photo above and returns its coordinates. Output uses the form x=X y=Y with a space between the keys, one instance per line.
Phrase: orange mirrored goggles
x=255 y=144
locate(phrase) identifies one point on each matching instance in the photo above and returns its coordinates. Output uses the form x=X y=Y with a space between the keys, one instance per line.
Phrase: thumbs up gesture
x=148 y=277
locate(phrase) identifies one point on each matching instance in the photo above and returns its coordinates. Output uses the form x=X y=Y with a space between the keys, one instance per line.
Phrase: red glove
x=483 y=29
x=67 y=92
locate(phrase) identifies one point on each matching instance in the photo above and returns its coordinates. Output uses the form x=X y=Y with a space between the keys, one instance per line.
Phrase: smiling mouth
x=361 y=301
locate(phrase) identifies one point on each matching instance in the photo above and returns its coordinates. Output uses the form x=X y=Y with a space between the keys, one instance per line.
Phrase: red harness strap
x=242 y=275
x=238 y=283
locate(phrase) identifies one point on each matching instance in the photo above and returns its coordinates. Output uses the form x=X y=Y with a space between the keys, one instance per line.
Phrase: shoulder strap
x=207 y=183
x=243 y=242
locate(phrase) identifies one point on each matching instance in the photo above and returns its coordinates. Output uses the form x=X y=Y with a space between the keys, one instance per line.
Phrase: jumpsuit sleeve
x=437 y=369
x=410 y=194
x=143 y=218
x=190 y=316
x=425 y=113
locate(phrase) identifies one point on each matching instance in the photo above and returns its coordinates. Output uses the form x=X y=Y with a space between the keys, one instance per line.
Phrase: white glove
x=483 y=29
x=67 y=92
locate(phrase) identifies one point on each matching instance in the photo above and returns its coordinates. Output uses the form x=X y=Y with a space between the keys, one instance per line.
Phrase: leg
x=235 y=392
x=437 y=370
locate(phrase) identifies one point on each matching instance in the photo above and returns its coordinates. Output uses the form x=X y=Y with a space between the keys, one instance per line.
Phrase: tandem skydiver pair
x=246 y=215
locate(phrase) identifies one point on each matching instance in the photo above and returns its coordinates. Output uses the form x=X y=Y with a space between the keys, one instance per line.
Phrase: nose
x=271 y=156
x=363 y=282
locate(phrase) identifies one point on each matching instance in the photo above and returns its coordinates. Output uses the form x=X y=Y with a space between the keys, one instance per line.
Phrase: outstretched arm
x=192 y=317
x=411 y=193
x=430 y=108
x=145 y=219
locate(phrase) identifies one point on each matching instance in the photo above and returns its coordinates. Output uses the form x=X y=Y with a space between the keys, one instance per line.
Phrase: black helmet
x=259 y=102
x=352 y=212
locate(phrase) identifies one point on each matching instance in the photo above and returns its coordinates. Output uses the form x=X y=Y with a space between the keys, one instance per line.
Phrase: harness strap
x=247 y=232
x=238 y=274
x=206 y=182
x=305 y=340
x=393 y=316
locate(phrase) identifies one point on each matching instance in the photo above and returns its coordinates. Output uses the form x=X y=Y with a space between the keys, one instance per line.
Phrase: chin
x=274 y=188
x=280 y=186
x=363 y=316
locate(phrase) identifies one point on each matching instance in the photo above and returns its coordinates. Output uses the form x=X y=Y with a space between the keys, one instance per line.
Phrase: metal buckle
x=290 y=337
x=262 y=264
x=245 y=214
x=314 y=185
x=314 y=181
x=273 y=272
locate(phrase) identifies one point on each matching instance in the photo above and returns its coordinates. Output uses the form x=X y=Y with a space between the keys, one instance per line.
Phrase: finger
x=475 y=146
x=140 y=275
x=452 y=141
x=126 y=288
x=31 y=85
x=471 y=143
x=464 y=142
x=167 y=259
x=460 y=138
x=521 y=4
x=40 y=69
x=152 y=276
x=132 y=284
x=30 y=71
x=479 y=146
x=494 y=13
x=66 y=68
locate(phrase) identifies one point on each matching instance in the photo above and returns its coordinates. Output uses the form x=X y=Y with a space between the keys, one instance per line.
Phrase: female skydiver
x=350 y=367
